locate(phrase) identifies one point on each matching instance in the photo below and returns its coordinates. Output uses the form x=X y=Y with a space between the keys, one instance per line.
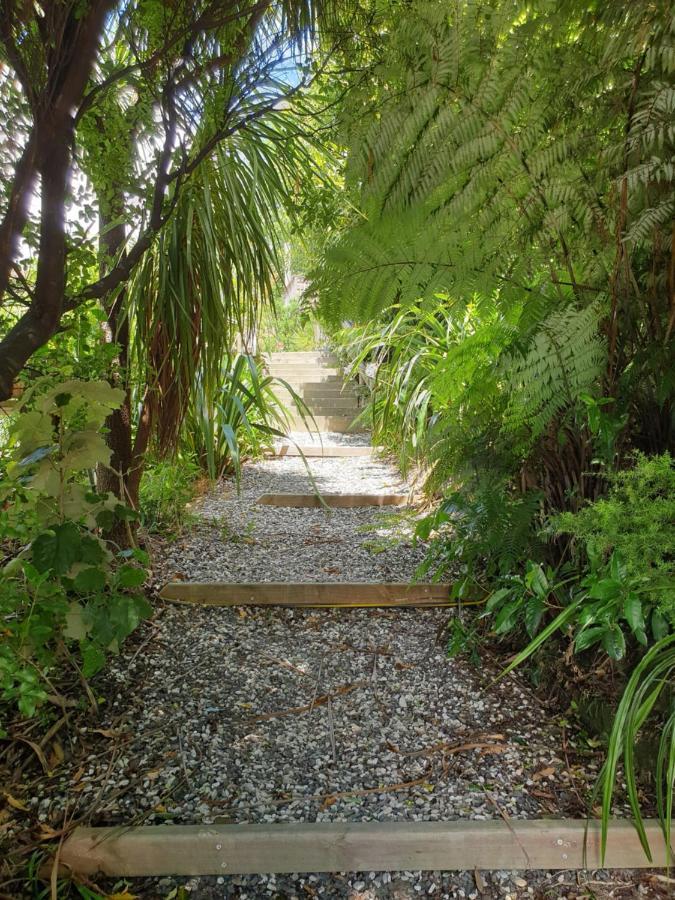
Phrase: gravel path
x=276 y=715
x=233 y=539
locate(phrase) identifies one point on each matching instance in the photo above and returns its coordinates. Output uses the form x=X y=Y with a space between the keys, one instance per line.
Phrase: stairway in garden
x=318 y=379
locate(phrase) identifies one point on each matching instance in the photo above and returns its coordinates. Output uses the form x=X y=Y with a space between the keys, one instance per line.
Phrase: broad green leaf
x=495 y=599
x=534 y=612
x=605 y=589
x=588 y=637
x=614 y=642
x=125 y=513
x=632 y=610
x=660 y=627
x=76 y=629
x=507 y=617
x=536 y=580
x=57 y=549
x=93 y=551
x=130 y=576
x=46 y=479
x=93 y=658
x=105 y=519
x=90 y=580
x=85 y=450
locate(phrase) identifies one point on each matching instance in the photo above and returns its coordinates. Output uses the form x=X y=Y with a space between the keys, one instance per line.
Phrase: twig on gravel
x=285 y=664
x=505 y=816
x=317 y=685
x=37 y=750
x=317 y=701
x=155 y=629
x=329 y=799
x=486 y=747
x=331 y=730
x=54 y=873
x=139 y=817
x=182 y=758
x=111 y=764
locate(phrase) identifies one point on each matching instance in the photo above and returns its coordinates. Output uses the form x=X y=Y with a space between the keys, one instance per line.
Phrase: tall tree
x=167 y=92
x=193 y=75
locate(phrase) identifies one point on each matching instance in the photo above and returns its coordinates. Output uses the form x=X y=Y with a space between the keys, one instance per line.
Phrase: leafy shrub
x=287 y=328
x=482 y=534
x=61 y=583
x=634 y=523
x=242 y=419
x=166 y=489
x=624 y=591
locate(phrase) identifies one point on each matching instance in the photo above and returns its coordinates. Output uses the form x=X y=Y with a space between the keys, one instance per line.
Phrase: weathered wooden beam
x=324 y=452
x=337 y=501
x=307 y=594
x=356 y=847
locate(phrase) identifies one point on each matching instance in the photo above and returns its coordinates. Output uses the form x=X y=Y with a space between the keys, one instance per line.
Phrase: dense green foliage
x=635 y=523
x=239 y=419
x=168 y=486
x=286 y=328
x=508 y=263
x=61 y=584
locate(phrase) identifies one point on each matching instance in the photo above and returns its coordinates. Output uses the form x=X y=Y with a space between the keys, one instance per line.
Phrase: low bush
x=166 y=489
x=63 y=587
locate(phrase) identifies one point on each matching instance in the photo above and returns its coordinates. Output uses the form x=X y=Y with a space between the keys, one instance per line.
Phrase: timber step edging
x=341 y=450
x=462 y=845
x=308 y=594
x=334 y=501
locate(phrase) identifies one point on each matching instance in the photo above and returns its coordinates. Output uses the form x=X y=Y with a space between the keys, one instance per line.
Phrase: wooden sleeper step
x=323 y=451
x=190 y=850
x=307 y=594
x=335 y=501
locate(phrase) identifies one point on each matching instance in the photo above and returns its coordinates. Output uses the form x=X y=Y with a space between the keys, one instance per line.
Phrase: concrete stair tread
x=316 y=378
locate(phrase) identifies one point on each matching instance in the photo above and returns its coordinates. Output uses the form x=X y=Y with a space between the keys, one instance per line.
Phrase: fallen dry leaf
x=47 y=833
x=318 y=701
x=57 y=755
x=480 y=881
x=16 y=804
x=109 y=732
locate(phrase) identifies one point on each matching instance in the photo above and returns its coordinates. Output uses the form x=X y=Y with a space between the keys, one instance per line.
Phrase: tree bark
x=115 y=331
x=123 y=476
x=68 y=66
x=42 y=318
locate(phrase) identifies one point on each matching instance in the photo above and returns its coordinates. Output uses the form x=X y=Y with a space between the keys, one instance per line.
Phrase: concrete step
x=312 y=394
x=326 y=407
x=316 y=357
x=327 y=389
x=305 y=373
x=341 y=424
x=309 y=378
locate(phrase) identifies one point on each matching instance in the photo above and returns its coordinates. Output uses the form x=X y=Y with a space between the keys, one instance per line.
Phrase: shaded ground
x=245 y=715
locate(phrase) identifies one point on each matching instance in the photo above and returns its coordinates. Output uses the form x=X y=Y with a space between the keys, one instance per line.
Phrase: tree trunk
x=123 y=476
x=48 y=153
x=115 y=477
x=42 y=318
